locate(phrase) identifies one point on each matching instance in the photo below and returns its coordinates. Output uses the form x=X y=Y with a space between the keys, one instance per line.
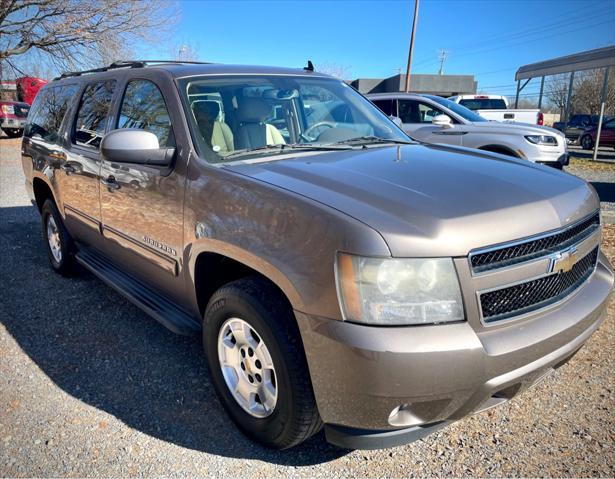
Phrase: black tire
x=65 y=265
x=11 y=133
x=256 y=301
x=586 y=142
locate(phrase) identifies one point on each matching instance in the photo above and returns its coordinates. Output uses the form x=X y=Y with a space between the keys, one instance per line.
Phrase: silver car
x=434 y=119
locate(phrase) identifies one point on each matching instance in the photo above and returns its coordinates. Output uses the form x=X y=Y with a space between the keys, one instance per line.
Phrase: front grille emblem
x=564 y=261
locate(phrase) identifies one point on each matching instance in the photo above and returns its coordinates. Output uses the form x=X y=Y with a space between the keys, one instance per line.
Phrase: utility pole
x=414 y=21
x=442 y=57
x=182 y=51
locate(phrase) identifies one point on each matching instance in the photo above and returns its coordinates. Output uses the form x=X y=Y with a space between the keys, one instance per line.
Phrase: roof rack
x=128 y=64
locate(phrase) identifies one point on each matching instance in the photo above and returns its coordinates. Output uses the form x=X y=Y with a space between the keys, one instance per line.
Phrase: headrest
x=253 y=110
x=207 y=110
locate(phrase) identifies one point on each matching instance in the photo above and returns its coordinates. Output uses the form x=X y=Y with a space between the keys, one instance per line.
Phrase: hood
x=517 y=127
x=434 y=200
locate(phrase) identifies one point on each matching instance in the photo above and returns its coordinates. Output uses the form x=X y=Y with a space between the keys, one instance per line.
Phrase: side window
x=412 y=111
x=48 y=112
x=609 y=125
x=386 y=106
x=93 y=113
x=143 y=107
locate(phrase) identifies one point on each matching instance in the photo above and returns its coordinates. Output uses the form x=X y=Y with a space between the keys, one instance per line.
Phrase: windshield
x=248 y=116
x=462 y=111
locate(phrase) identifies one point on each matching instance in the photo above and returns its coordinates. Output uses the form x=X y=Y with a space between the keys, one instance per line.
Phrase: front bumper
x=370 y=381
x=13 y=123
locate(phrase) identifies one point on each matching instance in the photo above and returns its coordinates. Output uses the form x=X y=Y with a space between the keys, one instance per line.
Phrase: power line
x=471 y=52
x=568 y=19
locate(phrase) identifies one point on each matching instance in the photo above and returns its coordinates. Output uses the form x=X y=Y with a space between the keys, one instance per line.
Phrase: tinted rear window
x=484 y=104
x=93 y=113
x=386 y=106
x=47 y=113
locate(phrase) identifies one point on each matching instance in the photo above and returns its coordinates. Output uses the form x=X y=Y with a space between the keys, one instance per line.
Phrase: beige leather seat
x=215 y=132
x=252 y=131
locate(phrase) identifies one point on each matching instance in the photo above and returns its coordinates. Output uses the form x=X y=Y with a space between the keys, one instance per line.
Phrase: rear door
x=142 y=206
x=417 y=116
x=79 y=180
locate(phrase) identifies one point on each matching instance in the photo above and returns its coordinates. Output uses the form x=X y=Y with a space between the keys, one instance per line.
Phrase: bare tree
x=557 y=91
x=588 y=93
x=68 y=34
x=334 y=69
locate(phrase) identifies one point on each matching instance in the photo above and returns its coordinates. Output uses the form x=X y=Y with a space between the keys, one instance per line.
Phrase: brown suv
x=341 y=274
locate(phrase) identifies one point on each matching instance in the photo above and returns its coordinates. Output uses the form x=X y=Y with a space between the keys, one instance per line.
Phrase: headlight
x=398 y=291
x=542 y=140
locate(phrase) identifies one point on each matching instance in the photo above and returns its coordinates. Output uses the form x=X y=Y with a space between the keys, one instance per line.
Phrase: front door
x=416 y=117
x=142 y=207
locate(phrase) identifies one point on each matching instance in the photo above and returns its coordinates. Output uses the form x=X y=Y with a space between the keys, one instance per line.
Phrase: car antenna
x=310 y=66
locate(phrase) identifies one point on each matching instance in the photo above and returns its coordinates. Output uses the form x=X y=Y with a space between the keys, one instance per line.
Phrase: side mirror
x=396 y=120
x=132 y=145
x=443 y=121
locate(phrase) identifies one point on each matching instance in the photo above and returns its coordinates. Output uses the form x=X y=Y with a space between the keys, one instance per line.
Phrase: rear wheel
x=257 y=363
x=587 y=143
x=58 y=242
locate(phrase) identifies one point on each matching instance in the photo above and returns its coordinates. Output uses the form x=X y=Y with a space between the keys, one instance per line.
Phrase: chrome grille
x=533 y=248
x=535 y=294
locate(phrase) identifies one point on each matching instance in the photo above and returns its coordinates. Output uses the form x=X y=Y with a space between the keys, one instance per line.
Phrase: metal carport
x=588 y=60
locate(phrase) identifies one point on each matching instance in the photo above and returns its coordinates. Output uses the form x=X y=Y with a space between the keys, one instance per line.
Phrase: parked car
x=607 y=135
x=13 y=117
x=28 y=88
x=495 y=107
x=434 y=119
x=340 y=274
x=577 y=125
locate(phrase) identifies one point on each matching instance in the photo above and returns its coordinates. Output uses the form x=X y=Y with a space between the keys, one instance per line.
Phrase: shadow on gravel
x=104 y=351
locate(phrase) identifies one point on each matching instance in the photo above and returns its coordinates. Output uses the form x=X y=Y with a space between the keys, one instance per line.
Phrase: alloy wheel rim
x=53 y=238
x=247 y=368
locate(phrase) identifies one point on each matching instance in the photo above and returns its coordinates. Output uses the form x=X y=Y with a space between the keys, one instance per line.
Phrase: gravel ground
x=91 y=386
x=602 y=177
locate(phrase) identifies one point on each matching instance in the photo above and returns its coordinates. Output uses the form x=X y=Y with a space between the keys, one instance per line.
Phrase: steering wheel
x=308 y=133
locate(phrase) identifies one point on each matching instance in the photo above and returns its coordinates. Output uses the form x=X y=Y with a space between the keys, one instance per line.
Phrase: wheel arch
x=500 y=149
x=43 y=191
x=211 y=267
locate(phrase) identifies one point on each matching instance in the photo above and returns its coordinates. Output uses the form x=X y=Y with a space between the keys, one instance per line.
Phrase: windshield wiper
x=285 y=146
x=366 y=140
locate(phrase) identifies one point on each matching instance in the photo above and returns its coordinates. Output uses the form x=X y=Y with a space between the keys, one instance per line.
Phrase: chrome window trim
x=528 y=239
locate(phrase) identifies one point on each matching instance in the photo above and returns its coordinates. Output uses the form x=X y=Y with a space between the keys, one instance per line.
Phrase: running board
x=152 y=302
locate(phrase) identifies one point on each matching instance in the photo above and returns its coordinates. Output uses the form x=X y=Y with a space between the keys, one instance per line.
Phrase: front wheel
x=257 y=363
x=587 y=143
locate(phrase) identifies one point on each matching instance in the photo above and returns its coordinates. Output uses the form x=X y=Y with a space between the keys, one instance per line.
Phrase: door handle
x=110 y=183
x=68 y=168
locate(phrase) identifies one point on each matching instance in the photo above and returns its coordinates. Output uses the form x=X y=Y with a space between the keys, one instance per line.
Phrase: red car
x=13 y=117
x=28 y=87
x=607 y=135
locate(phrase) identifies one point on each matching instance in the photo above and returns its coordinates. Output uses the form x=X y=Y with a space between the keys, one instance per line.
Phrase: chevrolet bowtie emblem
x=564 y=261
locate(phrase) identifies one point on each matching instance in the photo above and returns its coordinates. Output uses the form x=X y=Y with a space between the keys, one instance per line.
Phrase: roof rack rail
x=127 y=64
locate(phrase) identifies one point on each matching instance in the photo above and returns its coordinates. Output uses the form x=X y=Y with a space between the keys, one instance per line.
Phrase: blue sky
x=489 y=39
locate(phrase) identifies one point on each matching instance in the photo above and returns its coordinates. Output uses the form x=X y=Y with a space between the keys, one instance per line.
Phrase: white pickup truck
x=495 y=107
